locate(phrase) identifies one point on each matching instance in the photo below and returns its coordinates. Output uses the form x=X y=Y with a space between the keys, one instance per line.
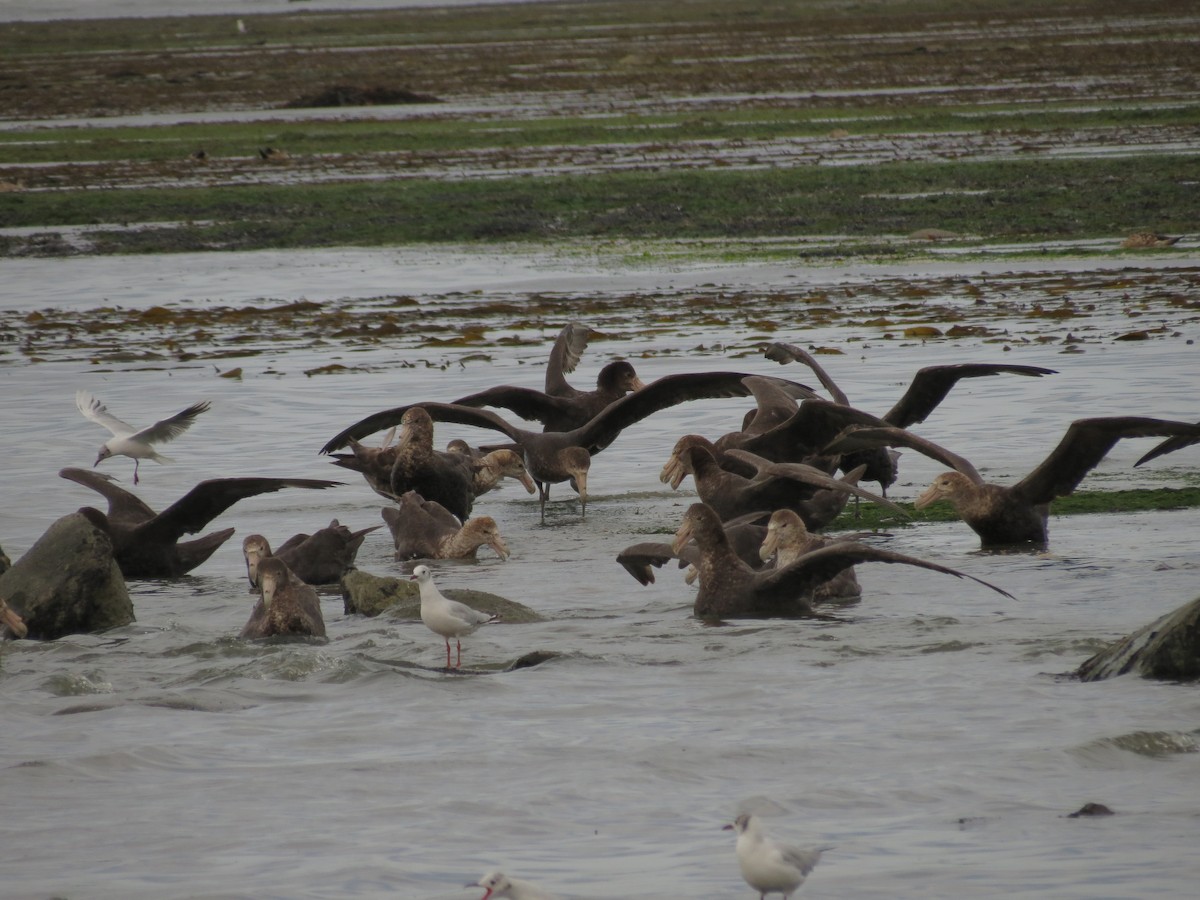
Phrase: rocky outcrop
x=369 y=595
x=68 y=582
x=1168 y=648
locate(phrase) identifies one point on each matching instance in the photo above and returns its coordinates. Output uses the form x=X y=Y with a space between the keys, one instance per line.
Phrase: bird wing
x=439 y=412
x=815 y=424
x=123 y=507
x=564 y=357
x=865 y=438
x=96 y=411
x=931 y=384
x=775 y=401
x=168 y=429
x=1170 y=445
x=527 y=403
x=786 y=353
x=640 y=560
x=803 y=859
x=820 y=565
x=468 y=613
x=810 y=475
x=660 y=394
x=1086 y=442
x=209 y=499
x=413 y=504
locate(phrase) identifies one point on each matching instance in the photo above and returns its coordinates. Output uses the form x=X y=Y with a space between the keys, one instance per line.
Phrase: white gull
x=767 y=865
x=499 y=885
x=444 y=616
x=129 y=441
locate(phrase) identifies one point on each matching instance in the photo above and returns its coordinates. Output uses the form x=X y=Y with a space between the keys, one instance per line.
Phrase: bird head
x=255 y=549
x=944 y=487
x=494 y=883
x=272 y=576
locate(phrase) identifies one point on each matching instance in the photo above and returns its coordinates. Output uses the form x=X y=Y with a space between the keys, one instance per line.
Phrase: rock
x=5 y=562
x=68 y=582
x=1091 y=809
x=531 y=659
x=1168 y=648
x=369 y=595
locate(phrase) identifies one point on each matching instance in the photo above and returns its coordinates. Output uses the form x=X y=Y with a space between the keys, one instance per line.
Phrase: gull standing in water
x=447 y=617
x=767 y=865
x=129 y=441
x=497 y=885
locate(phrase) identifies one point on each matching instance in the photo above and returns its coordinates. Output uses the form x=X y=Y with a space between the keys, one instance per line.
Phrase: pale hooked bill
x=771 y=867
x=131 y=442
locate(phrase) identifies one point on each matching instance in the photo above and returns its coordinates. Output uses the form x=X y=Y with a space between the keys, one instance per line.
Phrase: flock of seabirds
x=752 y=541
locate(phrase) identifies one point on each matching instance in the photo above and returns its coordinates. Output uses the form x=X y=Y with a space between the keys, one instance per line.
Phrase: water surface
x=925 y=732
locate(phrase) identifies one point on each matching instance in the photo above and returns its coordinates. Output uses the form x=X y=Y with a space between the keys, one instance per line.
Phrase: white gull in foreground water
x=767 y=865
x=499 y=885
x=127 y=440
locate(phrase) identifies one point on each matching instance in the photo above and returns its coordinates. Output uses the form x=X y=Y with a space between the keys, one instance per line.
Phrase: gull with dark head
x=132 y=442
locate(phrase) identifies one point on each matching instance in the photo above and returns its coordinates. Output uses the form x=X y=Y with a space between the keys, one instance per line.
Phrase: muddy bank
x=599 y=58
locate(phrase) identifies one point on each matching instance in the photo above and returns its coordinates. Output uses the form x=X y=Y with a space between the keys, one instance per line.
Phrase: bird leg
x=447 y=653
x=543 y=496
x=458 y=661
x=135 y=468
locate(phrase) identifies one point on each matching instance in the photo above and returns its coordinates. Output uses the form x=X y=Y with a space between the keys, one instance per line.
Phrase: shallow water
x=925 y=732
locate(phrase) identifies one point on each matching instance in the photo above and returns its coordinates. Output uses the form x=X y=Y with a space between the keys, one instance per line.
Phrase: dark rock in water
x=1091 y=809
x=5 y=562
x=369 y=595
x=531 y=659
x=1168 y=649
x=68 y=582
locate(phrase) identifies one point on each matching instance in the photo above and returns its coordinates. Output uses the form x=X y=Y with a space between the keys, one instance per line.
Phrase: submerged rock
x=1168 y=648
x=1091 y=809
x=68 y=582
x=369 y=595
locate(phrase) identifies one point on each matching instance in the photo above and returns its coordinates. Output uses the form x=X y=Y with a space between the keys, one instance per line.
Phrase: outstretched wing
x=96 y=411
x=815 y=424
x=123 y=506
x=813 y=476
x=439 y=412
x=640 y=560
x=931 y=384
x=209 y=499
x=1086 y=442
x=531 y=405
x=168 y=429
x=660 y=394
x=775 y=401
x=869 y=437
x=1170 y=445
x=785 y=353
x=820 y=565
